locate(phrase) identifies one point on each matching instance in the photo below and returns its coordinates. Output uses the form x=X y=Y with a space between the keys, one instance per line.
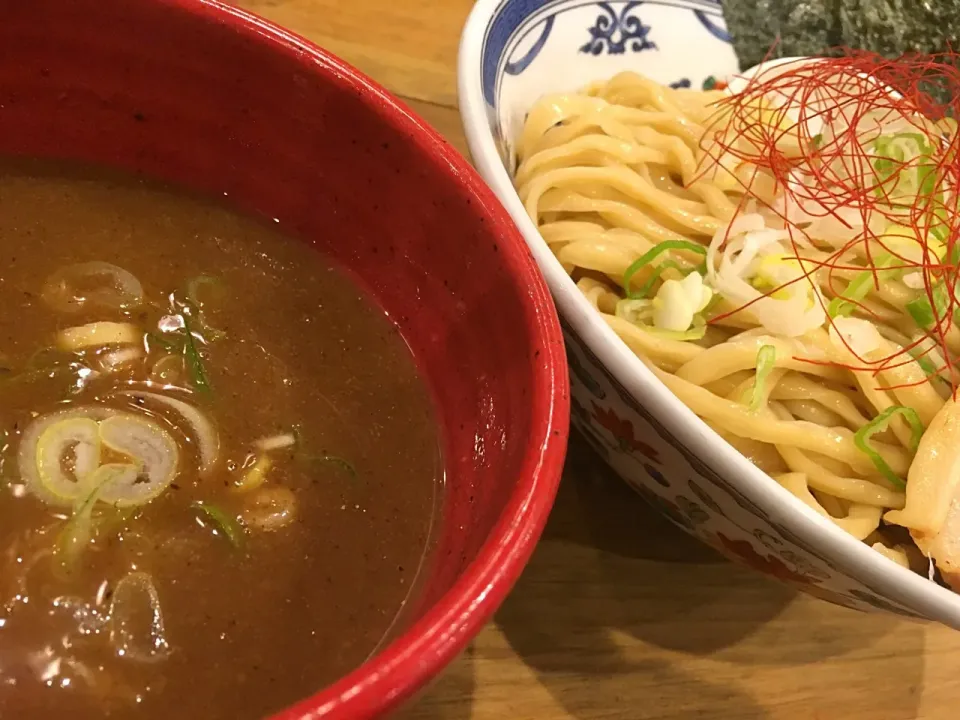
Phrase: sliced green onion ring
x=338 y=462
x=634 y=309
x=766 y=361
x=152 y=450
x=225 y=524
x=82 y=435
x=697 y=331
x=647 y=287
x=880 y=423
x=846 y=302
x=64 y=491
x=925 y=314
x=121 y=291
x=208 y=440
x=154 y=339
x=921 y=312
x=151 y=446
x=78 y=531
x=198 y=373
x=655 y=252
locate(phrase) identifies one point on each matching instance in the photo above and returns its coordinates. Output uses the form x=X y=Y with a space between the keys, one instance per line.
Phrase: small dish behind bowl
x=513 y=52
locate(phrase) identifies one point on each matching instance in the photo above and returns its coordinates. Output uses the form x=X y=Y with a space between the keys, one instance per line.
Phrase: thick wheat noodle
x=747 y=389
x=836 y=467
x=685 y=163
x=600 y=145
x=860 y=521
x=626 y=181
x=621 y=213
x=898 y=554
x=852 y=489
x=833 y=505
x=714 y=198
x=905 y=381
x=599 y=294
x=664 y=122
x=591 y=123
x=585 y=126
x=684 y=154
x=560 y=119
x=881 y=400
x=895 y=293
x=724 y=386
x=598 y=254
x=631 y=89
x=731 y=319
x=882 y=304
x=878 y=310
x=856 y=490
x=898 y=339
x=730 y=357
x=627 y=239
x=682 y=212
x=835 y=443
x=796 y=386
x=673 y=353
x=763 y=455
x=611 y=172
x=615 y=209
x=922 y=398
x=605 y=258
x=565 y=231
x=596 y=295
x=813 y=412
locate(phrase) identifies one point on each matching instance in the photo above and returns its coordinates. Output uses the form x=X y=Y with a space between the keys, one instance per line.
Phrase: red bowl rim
x=406 y=664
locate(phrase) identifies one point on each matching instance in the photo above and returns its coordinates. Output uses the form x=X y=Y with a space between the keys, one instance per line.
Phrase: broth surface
x=299 y=353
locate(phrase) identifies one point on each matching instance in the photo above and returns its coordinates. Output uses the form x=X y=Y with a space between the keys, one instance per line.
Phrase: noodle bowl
x=784 y=259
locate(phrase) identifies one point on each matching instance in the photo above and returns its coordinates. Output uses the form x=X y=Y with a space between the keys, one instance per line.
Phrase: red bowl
x=210 y=97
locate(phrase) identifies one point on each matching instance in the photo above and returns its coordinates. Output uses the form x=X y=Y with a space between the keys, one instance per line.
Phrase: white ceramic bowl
x=511 y=53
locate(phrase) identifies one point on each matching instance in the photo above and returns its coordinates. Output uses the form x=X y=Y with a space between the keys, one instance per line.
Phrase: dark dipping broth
x=229 y=552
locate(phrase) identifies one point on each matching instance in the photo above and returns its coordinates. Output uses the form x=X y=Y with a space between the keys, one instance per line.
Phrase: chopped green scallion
x=155 y=339
x=654 y=253
x=645 y=289
x=926 y=315
x=844 y=304
x=880 y=423
x=228 y=525
x=338 y=462
x=198 y=374
x=766 y=361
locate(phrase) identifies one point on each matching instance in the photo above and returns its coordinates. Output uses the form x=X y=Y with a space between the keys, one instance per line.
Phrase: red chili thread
x=855 y=95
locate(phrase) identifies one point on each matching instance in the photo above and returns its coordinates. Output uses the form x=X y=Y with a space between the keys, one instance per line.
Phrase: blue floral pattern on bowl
x=535 y=47
x=616 y=31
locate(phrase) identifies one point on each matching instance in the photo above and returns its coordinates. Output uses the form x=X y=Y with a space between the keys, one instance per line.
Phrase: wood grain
x=619 y=616
x=410 y=46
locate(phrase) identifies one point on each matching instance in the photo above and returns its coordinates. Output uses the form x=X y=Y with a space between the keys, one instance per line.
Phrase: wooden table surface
x=620 y=616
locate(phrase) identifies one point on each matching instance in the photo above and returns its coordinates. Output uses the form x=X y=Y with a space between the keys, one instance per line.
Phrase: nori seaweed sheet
x=817 y=27
x=804 y=27
x=895 y=27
